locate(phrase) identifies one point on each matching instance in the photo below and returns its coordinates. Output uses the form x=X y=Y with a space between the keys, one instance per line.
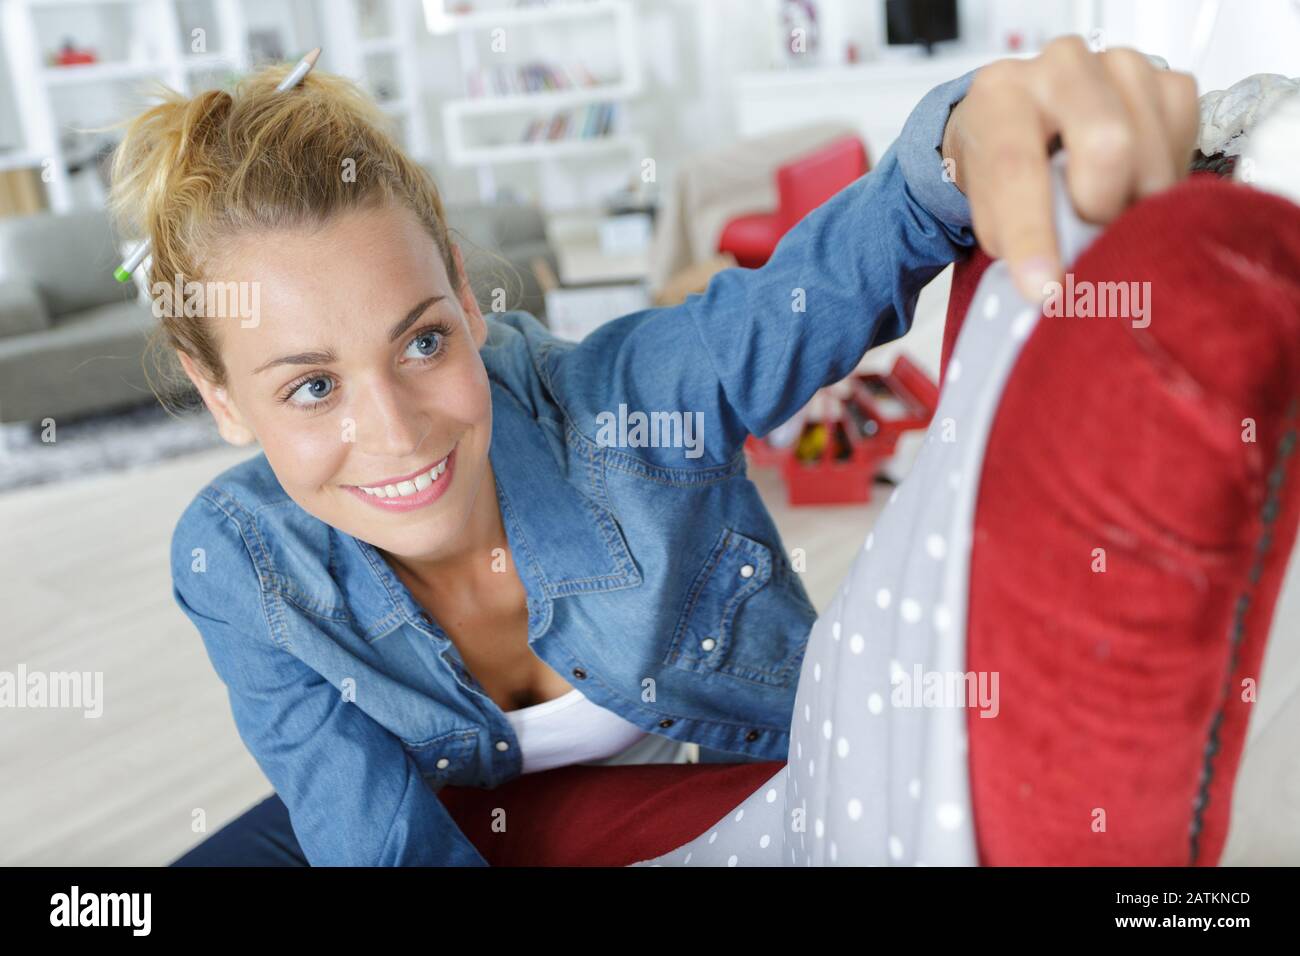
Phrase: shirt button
x=503 y=745
x=579 y=673
x=667 y=722
x=752 y=735
x=747 y=571
x=443 y=763
x=708 y=643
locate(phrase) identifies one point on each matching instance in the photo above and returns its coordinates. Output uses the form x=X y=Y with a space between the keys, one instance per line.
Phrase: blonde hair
x=192 y=171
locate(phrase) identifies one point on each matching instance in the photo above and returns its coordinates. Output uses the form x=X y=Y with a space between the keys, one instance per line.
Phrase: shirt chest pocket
x=450 y=758
x=736 y=622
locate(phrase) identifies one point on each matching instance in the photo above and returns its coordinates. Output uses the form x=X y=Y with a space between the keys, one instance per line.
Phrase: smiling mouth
x=409 y=486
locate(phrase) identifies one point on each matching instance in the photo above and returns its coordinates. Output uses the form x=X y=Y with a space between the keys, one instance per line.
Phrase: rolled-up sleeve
x=921 y=159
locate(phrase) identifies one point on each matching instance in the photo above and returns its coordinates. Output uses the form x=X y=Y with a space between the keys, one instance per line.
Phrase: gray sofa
x=517 y=233
x=71 y=337
x=73 y=340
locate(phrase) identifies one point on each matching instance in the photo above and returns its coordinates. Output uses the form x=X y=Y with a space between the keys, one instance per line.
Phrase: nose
x=390 y=423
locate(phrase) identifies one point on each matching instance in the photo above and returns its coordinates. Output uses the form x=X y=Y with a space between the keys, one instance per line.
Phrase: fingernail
x=1034 y=276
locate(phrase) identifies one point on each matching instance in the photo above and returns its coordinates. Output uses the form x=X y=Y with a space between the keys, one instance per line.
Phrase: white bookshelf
x=544 y=101
x=147 y=40
x=504 y=13
x=142 y=40
x=876 y=96
x=375 y=42
x=553 y=149
x=468 y=121
x=360 y=36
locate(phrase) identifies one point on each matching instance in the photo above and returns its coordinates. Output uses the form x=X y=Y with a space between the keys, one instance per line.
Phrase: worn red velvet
x=601 y=816
x=1121 y=691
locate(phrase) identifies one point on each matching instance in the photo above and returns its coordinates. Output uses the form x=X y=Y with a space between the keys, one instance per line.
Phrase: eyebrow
x=327 y=356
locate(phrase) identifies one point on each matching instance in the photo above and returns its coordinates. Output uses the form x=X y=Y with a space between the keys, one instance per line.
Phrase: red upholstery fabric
x=965 y=279
x=807 y=182
x=601 y=816
x=751 y=239
x=1121 y=692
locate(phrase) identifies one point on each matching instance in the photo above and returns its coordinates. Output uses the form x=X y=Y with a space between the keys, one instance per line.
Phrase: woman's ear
x=468 y=301
x=229 y=422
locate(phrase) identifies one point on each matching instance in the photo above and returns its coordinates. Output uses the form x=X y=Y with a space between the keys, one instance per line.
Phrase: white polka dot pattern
x=884 y=780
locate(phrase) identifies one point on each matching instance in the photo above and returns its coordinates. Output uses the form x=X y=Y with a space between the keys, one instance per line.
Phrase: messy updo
x=191 y=172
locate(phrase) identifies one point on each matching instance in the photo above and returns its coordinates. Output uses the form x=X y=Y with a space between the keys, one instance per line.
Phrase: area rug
x=105 y=442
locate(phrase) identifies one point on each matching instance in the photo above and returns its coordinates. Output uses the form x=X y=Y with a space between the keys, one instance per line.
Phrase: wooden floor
x=87 y=587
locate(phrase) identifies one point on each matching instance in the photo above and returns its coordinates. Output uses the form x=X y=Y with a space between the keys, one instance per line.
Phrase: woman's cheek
x=462 y=392
x=306 y=458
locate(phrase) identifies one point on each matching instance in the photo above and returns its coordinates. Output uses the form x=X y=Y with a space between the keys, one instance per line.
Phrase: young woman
x=442 y=569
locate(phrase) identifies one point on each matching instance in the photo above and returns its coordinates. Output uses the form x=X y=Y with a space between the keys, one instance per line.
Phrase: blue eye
x=427 y=344
x=308 y=394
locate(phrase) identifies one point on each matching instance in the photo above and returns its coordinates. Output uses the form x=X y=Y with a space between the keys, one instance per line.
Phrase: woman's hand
x=1129 y=129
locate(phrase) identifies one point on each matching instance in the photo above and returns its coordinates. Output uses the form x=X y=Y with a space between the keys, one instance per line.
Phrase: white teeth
x=405 y=488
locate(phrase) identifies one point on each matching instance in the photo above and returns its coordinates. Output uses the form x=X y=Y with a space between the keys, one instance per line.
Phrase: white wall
x=1259 y=36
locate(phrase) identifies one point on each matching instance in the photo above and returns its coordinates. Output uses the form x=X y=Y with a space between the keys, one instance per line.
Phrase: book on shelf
x=591 y=122
x=532 y=77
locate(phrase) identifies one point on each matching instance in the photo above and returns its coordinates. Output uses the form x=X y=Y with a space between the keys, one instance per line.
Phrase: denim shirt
x=657 y=583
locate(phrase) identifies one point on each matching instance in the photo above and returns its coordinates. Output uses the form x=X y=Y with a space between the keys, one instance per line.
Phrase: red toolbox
x=835 y=461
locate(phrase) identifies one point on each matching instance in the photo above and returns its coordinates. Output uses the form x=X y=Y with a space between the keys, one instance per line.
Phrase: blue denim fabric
x=657 y=582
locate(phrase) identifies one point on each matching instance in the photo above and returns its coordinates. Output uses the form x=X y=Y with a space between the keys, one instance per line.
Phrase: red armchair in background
x=802 y=185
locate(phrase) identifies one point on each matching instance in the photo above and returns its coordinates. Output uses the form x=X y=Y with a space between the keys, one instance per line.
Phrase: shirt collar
x=563 y=543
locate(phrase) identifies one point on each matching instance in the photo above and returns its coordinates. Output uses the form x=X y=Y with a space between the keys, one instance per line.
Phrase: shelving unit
x=363 y=35
x=875 y=96
x=461 y=117
x=155 y=40
x=147 y=43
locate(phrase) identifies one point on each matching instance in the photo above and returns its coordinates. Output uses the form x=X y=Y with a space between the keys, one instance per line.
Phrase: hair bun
x=165 y=153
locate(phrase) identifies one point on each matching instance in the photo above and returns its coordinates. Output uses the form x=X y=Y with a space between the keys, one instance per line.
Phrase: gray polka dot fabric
x=877 y=771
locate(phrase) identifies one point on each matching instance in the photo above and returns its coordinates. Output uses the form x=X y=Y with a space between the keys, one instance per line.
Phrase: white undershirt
x=571 y=729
